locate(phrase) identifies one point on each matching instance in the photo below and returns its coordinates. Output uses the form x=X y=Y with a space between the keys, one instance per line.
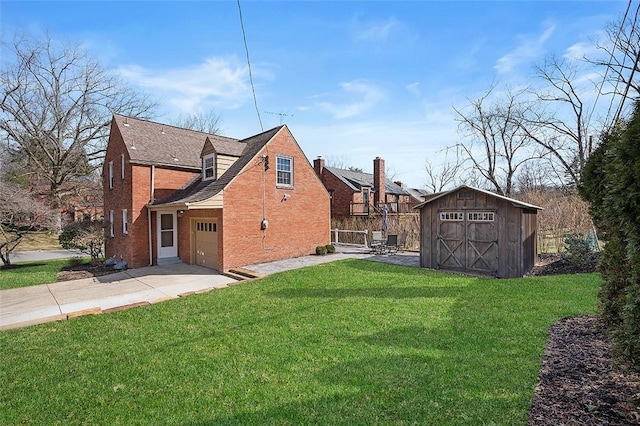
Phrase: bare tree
x=441 y=176
x=341 y=162
x=57 y=104
x=20 y=215
x=495 y=143
x=560 y=126
x=621 y=55
x=207 y=122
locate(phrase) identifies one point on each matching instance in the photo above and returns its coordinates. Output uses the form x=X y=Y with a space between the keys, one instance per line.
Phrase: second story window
x=209 y=167
x=284 y=170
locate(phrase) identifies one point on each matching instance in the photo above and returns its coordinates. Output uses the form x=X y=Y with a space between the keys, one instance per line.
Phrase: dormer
x=208 y=156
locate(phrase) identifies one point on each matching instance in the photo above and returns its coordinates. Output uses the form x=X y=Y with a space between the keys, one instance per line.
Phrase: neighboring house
x=475 y=231
x=172 y=194
x=81 y=198
x=363 y=194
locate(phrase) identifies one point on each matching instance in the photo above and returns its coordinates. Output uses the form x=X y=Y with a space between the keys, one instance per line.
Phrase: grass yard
x=24 y=274
x=40 y=241
x=352 y=342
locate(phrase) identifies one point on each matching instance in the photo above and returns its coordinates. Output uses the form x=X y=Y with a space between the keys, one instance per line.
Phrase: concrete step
x=168 y=261
x=246 y=273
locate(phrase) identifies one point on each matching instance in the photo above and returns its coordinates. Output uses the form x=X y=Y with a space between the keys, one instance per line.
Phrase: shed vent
x=465 y=195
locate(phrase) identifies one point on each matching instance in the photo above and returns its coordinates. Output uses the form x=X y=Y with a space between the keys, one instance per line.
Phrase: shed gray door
x=468 y=241
x=482 y=242
x=451 y=240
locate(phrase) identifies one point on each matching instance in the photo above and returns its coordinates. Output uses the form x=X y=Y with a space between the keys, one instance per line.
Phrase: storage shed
x=474 y=231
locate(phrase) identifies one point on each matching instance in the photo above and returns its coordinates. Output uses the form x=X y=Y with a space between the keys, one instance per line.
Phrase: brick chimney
x=378 y=181
x=318 y=165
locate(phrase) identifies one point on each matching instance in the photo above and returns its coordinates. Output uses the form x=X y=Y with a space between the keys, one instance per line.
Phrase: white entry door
x=167 y=234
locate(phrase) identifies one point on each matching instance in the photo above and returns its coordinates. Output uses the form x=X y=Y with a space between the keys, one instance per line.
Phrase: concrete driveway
x=25 y=306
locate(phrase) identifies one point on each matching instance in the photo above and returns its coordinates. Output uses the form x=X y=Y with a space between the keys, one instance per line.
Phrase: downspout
x=152 y=199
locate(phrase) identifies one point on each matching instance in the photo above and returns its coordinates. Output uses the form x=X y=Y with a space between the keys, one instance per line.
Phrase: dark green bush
x=330 y=248
x=577 y=250
x=86 y=236
x=610 y=183
x=321 y=250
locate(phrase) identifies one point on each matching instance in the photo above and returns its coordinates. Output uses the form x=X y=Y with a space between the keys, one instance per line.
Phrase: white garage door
x=207 y=243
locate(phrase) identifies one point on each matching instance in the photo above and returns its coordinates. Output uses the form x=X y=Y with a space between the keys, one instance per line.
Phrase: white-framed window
x=122 y=166
x=209 y=167
x=111 y=218
x=284 y=170
x=125 y=221
x=481 y=216
x=451 y=216
x=110 y=174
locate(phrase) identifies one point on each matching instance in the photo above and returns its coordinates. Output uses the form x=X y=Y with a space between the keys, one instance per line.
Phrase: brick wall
x=378 y=181
x=117 y=198
x=342 y=194
x=133 y=193
x=296 y=226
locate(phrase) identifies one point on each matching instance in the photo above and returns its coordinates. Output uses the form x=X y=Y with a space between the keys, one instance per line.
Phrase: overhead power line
x=246 y=48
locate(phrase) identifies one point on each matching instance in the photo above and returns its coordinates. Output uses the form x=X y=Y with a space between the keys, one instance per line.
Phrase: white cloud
x=413 y=88
x=405 y=144
x=360 y=95
x=580 y=50
x=378 y=31
x=529 y=47
x=219 y=82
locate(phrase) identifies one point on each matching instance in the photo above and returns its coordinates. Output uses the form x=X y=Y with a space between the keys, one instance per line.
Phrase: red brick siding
x=133 y=193
x=117 y=198
x=342 y=194
x=296 y=226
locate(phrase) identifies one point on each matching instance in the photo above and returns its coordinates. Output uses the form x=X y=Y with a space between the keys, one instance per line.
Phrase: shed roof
x=515 y=202
x=356 y=180
x=148 y=142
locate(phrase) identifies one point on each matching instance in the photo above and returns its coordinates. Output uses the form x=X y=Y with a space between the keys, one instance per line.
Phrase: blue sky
x=355 y=79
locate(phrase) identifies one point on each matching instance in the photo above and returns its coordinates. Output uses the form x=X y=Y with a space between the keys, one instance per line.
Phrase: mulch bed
x=83 y=271
x=580 y=382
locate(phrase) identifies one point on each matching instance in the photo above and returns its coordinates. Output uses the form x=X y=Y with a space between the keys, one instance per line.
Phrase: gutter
x=152 y=198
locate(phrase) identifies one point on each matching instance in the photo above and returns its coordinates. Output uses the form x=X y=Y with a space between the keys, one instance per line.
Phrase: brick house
x=355 y=193
x=173 y=194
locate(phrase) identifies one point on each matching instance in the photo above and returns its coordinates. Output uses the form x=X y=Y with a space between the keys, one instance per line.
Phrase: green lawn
x=24 y=274
x=351 y=342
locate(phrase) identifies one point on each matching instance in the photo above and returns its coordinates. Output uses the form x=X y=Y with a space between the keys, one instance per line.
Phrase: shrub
x=610 y=182
x=330 y=248
x=75 y=261
x=321 y=250
x=577 y=250
x=86 y=236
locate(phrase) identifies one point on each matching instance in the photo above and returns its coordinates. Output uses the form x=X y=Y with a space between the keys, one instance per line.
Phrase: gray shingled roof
x=515 y=202
x=161 y=144
x=356 y=180
x=197 y=190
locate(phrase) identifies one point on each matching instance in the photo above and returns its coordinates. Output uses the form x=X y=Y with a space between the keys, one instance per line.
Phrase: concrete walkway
x=401 y=258
x=26 y=306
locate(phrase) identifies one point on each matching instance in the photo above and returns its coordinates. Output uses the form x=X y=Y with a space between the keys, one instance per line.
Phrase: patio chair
x=392 y=243
x=377 y=242
x=402 y=241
